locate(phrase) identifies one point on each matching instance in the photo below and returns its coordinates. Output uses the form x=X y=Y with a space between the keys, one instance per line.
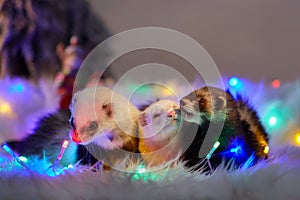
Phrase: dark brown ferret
x=241 y=138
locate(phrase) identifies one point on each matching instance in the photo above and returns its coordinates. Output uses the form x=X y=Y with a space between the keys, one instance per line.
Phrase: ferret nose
x=74 y=136
x=172 y=114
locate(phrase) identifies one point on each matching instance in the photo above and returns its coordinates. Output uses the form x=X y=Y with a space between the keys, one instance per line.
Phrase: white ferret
x=102 y=118
x=110 y=127
x=159 y=124
x=110 y=121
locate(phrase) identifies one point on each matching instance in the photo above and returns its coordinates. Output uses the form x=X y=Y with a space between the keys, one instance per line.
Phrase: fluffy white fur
x=275 y=179
x=87 y=106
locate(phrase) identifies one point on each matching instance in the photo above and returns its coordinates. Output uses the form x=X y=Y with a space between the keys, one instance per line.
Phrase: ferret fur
x=105 y=122
x=46 y=139
x=241 y=124
x=159 y=124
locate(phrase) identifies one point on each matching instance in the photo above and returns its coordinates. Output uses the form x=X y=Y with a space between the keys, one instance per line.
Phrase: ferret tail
x=249 y=115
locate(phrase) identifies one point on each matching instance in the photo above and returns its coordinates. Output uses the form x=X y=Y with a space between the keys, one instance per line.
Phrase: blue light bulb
x=233 y=81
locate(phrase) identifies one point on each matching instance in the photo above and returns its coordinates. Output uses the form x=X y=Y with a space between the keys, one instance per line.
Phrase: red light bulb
x=276 y=83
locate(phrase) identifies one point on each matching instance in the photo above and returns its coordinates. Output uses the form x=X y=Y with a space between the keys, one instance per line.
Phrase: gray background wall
x=250 y=38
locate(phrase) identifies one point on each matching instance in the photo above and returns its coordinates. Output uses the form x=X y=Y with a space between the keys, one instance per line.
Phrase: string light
x=297 y=138
x=276 y=83
x=8 y=150
x=236 y=85
x=233 y=81
x=21 y=160
x=275 y=116
x=236 y=150
x=5 y=109
x=141 y=169
x=144 y=175
x=64 y=145
x=70 y=166
x=272 y=121
x=266 y=149
x=16 y=88
x=216 y=145
x=63 y=148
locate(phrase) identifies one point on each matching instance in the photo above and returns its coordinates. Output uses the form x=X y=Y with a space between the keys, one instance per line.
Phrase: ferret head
x=205 y=102
x=101 y=117
x=161 y=116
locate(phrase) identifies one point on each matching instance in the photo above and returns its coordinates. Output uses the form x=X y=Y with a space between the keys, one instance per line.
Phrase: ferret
x=242 y=136
x=159 y=124
x=101 y=118
x=98 y=120
x=106 y=123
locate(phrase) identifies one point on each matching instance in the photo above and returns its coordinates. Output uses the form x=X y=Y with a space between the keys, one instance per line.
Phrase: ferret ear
x=108 y=109
x=143 y=119
x=220 y=103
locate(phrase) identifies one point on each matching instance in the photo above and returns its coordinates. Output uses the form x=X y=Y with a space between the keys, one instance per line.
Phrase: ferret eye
x=156 y=115
x=93 y=125
x=201 y=100
x=105 y=105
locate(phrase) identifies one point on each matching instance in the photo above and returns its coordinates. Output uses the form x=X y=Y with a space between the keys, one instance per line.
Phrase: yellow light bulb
x=266 y=150
x=298 y=138
x=5 y=109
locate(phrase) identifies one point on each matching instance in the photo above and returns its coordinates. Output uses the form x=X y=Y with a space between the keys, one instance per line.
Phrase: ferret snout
x=74 y=136
x=174 y=114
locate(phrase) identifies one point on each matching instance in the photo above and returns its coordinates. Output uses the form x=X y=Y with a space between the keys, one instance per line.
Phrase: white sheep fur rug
x=277 y=178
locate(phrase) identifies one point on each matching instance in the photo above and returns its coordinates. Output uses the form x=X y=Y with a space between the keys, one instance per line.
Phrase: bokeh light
x=272 y=121
x=266 y=149
x=23 y=159
x=5 y=108
x=236 y=85
x=297 y=138
x=16 y=88
x=233 y=81
x=276 y=83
